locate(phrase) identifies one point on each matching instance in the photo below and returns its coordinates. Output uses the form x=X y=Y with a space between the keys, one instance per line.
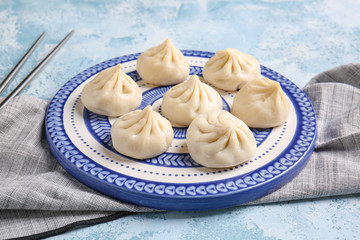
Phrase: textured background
x=296 y=38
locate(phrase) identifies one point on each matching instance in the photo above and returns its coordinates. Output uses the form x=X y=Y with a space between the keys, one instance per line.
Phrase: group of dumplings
x=215 y=138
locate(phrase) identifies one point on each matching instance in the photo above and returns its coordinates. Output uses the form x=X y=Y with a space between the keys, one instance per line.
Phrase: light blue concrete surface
x=322 y=219
x=296 y=38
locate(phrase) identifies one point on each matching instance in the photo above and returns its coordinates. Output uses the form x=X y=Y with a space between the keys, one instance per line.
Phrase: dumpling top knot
x=111 y=93
x=269 y=89
x=143 y=121
x=182 y=103
x=230 y=69
x=163 y=64
x=168 y=50
x=116 y=79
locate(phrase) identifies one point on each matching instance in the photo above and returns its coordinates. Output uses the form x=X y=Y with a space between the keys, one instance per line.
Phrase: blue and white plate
x=81 y=142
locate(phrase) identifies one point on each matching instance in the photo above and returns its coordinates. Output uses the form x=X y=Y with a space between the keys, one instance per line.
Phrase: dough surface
x=111 y=93
x=230 y=69
x=182 y=103
x=142 y=134
x=218 y=139
x=261 y=103
x=163 y=65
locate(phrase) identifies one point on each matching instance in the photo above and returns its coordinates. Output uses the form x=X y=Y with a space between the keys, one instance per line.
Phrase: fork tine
x=35 y=71
x=17 y=67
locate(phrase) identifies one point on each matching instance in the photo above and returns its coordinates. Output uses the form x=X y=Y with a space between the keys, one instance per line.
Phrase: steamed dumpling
x=142 y=134
x=182 y=103
x=163 y=65
x=218 y=139
x=230 y=69
x=261 y=104
x=111 y=93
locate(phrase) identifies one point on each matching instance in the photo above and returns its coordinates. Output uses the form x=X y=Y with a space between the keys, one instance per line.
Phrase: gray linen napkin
x=38 y=198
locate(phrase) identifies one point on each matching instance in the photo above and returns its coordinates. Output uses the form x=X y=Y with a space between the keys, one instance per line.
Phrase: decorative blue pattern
x=173 y=160
x=243 y=188
x=152 y=95
x=260 y=134
x=194 y=70
x=134 y=75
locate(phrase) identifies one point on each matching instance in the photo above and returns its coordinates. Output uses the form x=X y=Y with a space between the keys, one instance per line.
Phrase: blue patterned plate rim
x=178 y=196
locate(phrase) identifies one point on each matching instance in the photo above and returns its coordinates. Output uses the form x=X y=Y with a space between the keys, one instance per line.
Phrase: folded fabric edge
x=83 y=223
x=335 y=75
